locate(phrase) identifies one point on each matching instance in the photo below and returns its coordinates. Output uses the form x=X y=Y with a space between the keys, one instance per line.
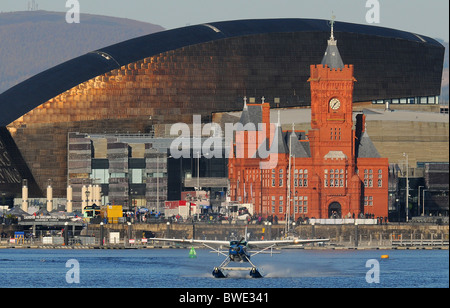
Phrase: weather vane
x=332 y=21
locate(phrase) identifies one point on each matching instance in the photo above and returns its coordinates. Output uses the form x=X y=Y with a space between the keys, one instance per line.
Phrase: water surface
x=172 y=268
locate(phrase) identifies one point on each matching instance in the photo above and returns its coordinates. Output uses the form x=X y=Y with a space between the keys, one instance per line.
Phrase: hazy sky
x=427 y=17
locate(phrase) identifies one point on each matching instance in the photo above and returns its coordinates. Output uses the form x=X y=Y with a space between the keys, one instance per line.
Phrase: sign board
x=114 y=237
x=45 y=219
x=19 y=237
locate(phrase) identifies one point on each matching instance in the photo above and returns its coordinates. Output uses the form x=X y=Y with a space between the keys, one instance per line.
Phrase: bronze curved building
x=168 y=76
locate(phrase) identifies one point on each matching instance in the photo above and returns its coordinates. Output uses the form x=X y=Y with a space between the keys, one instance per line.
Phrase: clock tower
x=332 y=136
x=331 y=103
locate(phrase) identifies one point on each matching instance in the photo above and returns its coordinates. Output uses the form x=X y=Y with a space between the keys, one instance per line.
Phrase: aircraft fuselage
x=238 y=252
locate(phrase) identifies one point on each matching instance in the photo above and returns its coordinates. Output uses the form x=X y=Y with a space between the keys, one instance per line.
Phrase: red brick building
x=333 y=170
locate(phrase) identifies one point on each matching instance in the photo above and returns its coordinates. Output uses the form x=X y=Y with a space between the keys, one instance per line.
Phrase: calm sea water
x=171 y=268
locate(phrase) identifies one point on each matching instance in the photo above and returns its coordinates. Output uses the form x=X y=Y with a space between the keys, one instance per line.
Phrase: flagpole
x=288 y=210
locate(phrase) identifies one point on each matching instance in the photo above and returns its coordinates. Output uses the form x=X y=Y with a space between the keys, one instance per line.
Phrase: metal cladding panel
x=40 y=88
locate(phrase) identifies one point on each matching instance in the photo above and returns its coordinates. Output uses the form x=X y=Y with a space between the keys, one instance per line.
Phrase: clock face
x=335 y=104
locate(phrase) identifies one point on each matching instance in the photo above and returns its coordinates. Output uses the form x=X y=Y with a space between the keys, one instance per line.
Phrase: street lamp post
x=87 y=192
x=102 y=235
x=198 y=171
x=157 y=182
x=418 y=198
x=288 y=199
x=66 y=233
x=132 y=200
x=423 y=201
x=407 y=186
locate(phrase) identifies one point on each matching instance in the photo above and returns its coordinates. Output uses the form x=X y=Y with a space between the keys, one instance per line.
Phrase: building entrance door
x=334 y=210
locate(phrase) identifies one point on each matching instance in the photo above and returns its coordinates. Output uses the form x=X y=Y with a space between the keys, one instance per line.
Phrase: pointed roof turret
x=332 y=57
x=251 y=114
x=278 y=145
x=245 y=117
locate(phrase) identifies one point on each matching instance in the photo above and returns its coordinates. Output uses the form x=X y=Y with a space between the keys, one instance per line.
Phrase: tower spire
x=332 y=57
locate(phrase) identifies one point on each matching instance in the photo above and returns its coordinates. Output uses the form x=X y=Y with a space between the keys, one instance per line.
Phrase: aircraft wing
x=250 y=244
x=255 y=244
x=191 y=241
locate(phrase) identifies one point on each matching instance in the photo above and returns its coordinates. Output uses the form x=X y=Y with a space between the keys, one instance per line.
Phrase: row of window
x=369 y=178
x=369 y=183
x=135 y=176
x=297 y=210
x=432 y=100
x=297 y=183
x=335 y=178
x=300 y=178
x=368 y=200
x=276 y=178
x=334 y=134
x=332 y=178
x=299 y=202
x=334 y=183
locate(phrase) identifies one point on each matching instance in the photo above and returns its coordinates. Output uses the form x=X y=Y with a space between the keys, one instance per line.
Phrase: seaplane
x=238 y=251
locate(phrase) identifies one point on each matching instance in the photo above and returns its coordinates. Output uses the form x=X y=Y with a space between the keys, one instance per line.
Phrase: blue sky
x=430 y=17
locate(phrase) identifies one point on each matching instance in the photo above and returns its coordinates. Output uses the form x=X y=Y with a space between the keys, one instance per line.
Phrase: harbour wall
x=370 y=236
x=339 y=235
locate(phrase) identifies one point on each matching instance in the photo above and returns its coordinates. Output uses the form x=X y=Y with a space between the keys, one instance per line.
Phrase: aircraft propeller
x=236 y=247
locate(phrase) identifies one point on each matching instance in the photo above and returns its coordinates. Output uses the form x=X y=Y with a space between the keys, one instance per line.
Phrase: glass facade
x=419 y=100
x=132 y=172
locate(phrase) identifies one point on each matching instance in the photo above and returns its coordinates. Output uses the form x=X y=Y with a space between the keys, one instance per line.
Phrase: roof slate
x=366 y=148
